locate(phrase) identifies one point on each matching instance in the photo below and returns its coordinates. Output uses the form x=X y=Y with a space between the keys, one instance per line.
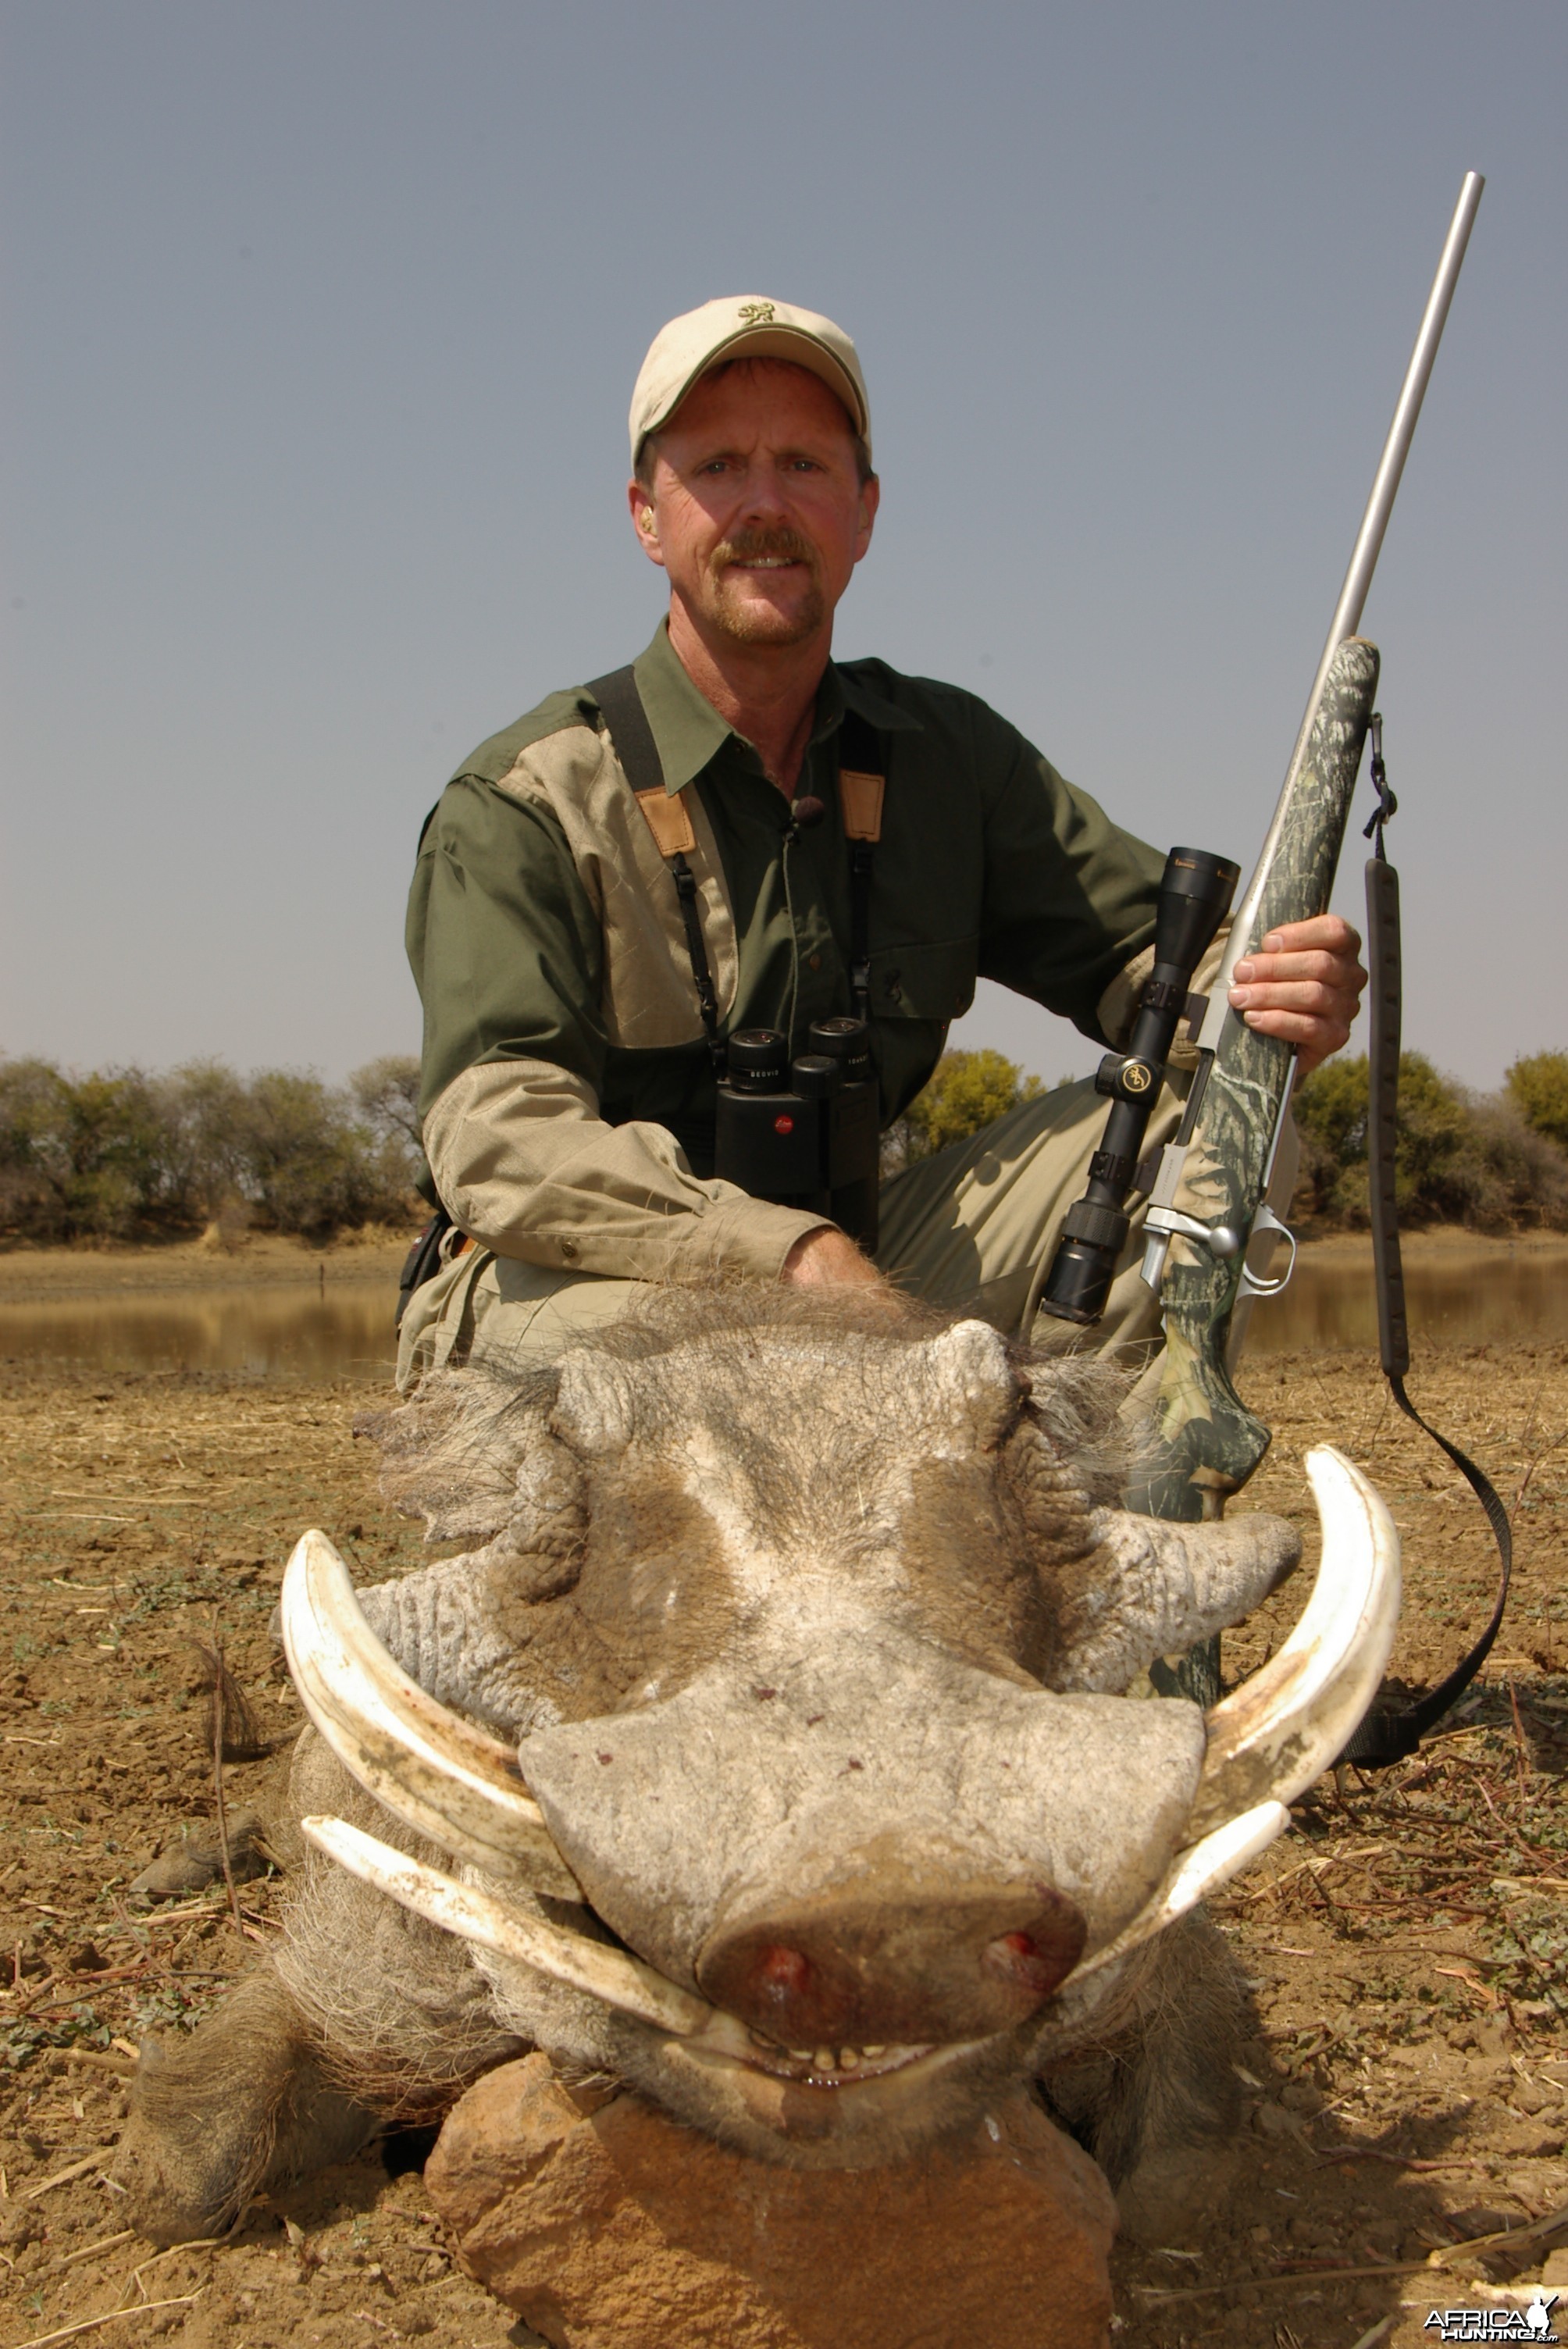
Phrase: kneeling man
x=637 y=869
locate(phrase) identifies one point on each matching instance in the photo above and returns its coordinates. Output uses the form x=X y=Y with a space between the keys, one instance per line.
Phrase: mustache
x=784 y=545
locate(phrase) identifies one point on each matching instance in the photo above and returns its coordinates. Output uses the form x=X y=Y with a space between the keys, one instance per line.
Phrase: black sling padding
x=622 y=704
x=1392 y=1734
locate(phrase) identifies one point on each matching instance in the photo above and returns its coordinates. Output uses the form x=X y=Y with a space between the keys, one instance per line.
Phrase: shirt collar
x=689 y=732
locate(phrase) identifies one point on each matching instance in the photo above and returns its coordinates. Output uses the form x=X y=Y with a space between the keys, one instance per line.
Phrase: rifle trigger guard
x=1266 y=1220
x=1223 y=1241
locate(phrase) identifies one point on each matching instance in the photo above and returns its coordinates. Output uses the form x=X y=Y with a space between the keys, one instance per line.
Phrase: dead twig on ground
x=112 y=2317
x=85 y=2250
x=64 y=2177
x=123 y=2066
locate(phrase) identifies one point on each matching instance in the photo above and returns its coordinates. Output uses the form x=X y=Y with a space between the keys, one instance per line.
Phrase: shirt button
x=814 y=962
x=568 y=1251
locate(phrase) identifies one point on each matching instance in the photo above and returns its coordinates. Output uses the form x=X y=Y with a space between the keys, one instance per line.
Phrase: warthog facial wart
x=768 y=1748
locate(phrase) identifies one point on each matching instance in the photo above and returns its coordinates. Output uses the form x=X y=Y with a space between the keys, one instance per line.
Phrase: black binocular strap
x=861 y=783
x=860 y=787
x=1389 y=1734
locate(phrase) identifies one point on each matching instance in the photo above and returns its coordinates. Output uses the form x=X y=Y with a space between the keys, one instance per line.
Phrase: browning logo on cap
x=737 y=326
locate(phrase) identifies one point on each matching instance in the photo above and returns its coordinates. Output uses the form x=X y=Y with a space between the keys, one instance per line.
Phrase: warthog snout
x=891 y=1955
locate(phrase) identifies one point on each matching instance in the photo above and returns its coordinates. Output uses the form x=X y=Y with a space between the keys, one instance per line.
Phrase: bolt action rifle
x=1207 y=1443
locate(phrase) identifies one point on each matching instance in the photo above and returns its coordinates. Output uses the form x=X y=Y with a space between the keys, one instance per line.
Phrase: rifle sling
x=1390 y=1733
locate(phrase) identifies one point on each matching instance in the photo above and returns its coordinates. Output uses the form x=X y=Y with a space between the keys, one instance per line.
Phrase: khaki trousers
x=973 y=1228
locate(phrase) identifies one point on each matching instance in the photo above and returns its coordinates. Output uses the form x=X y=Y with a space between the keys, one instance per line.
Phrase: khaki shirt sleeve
x=1119 y=1004
x=524 y=1162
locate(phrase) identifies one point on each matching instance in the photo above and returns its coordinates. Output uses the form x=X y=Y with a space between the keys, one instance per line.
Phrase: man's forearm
x=524 y=1162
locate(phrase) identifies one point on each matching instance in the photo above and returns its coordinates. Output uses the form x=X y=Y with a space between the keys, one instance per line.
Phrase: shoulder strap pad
x=668 y=821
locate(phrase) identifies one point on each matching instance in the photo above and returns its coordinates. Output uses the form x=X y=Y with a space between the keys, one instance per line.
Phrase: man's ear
x=870 y=498
x=644 y=520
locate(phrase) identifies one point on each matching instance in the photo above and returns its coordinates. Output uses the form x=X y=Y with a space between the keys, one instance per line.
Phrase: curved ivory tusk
x=608 y=1975
x=1282 y=1727
x=1197 y=1871
x=441 y=1778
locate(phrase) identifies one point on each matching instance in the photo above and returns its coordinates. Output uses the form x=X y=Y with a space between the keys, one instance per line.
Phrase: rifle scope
x=1195 y=893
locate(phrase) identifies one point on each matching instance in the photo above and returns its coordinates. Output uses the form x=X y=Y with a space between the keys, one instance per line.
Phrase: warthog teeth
x=1282 y=1727
x=572 y=1959
x=441 y=1778
x=821 y=2066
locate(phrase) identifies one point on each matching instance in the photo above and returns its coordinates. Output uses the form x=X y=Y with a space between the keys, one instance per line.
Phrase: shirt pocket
x=929 y=981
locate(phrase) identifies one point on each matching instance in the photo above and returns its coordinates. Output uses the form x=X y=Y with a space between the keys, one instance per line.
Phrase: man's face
x=756 y=508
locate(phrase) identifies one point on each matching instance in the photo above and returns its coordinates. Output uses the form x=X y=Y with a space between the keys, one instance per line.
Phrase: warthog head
x=809 y=1627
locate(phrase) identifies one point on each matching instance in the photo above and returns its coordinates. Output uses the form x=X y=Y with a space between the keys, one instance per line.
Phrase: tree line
x=123 y=1153
x=1494 y=1162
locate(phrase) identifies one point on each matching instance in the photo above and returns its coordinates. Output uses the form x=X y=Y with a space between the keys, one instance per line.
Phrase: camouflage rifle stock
x=1208 y=1202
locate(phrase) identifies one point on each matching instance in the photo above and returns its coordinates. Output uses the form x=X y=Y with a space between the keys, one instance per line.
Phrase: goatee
x=749 y=623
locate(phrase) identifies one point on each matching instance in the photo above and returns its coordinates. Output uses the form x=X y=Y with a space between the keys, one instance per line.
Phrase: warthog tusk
x=571 y=1959
x=441 y=1778
x=1282 y=1727
x=1198 y=1870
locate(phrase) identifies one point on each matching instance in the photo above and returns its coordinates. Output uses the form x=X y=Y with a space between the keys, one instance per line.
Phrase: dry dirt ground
x=1408 y=2082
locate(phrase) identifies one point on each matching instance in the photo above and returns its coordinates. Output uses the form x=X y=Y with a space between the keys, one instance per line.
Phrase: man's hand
x=1303 y=986
x=825 y=1259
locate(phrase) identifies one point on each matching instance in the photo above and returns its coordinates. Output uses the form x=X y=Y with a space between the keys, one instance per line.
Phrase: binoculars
x=804 y=1132
x=1194 y=898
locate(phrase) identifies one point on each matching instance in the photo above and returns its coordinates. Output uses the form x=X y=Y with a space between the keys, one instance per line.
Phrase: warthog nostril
x=1020 y=1959
x=781 y=1973
x=919 y=1963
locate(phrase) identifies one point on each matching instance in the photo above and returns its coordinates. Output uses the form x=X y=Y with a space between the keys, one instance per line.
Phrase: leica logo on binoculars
x=804 y=1132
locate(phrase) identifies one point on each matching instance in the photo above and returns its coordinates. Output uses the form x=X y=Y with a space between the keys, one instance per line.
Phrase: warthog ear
x=974 y=1378
x=1145 y=1586
x=458 y=1453
x=540 y=1549
x=595 y=1408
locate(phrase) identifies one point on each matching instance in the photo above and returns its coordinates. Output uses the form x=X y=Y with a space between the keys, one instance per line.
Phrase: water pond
x=301 y=1329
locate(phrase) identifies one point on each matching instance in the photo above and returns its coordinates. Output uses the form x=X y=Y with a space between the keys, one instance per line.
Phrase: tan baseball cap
x=745 y=326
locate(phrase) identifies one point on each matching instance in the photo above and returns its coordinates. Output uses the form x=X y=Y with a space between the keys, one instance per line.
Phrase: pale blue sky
x=321 y=320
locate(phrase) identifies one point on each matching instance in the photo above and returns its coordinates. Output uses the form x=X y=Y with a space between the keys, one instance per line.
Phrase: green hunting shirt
x=567 y=1090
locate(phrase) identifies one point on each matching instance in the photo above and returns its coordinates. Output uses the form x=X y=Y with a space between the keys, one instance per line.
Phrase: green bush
x=1459 y=1159
x=118 y=1152
x=1537 y=1088
x=966 y=1091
